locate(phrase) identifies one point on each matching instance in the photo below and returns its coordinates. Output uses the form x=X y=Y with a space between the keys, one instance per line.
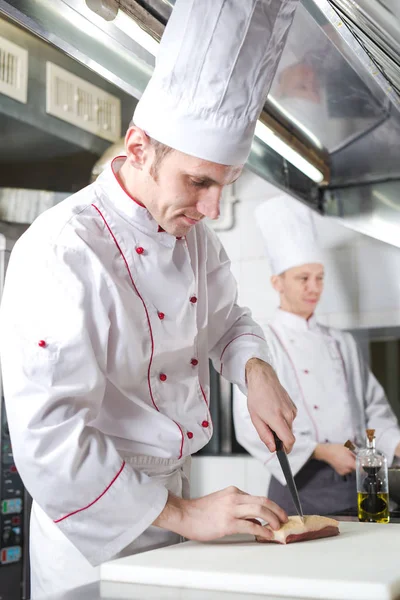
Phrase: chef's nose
x=209 y=205
x=314 y=285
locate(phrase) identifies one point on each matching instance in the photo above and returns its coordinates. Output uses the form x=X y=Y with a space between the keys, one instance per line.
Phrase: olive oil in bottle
x=372 y=483
x=373 y=507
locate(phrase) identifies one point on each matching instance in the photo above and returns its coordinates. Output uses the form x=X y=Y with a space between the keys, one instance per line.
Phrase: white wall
x=212 y=473
x=362 y=274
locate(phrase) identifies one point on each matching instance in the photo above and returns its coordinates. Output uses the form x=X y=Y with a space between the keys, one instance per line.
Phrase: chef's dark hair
x=160 y=152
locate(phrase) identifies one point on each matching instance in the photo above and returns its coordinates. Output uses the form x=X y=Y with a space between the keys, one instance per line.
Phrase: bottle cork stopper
x=349 y=444
x=370 y=434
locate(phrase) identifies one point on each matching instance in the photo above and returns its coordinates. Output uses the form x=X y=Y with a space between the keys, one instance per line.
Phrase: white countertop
x=362 y=563
x=124 y=591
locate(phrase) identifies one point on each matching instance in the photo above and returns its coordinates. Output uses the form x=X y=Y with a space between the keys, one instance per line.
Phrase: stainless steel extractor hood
x=335 y=97
x=337 y=91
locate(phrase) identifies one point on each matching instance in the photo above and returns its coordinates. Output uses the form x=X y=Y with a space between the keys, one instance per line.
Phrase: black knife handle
x=278 y=442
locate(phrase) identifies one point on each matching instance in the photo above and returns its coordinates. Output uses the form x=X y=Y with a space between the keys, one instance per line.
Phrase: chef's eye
x=198 y=182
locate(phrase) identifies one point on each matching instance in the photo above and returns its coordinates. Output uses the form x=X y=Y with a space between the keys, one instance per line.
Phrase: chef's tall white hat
x=289 y=233
x=215 y=65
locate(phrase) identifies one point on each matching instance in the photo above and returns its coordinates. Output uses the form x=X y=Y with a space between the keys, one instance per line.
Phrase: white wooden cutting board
x=362 y=563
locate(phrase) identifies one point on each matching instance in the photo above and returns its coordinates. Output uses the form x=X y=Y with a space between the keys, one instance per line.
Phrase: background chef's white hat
x=215 y=65
x=289 y=233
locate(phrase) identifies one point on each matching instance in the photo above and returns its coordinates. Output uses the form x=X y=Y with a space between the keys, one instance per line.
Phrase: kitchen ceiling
x=327 y=88
x=337 y=89
x=375 y=25
x=334 y=98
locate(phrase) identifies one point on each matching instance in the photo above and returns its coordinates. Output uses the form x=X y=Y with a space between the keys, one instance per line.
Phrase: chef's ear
x=277 y=283
x=137 y=146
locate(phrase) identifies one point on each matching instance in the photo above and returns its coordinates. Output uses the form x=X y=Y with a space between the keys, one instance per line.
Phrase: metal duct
x=334 y=99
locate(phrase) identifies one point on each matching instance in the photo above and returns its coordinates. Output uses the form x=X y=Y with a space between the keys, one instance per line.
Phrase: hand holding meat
x=269 y=405
x=339 y=457
x=225 y=512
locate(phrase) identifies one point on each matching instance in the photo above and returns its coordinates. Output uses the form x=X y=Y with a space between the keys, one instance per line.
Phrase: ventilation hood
x=335 y=98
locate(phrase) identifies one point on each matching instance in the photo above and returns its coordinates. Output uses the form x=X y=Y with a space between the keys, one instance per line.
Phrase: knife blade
x=287 y=472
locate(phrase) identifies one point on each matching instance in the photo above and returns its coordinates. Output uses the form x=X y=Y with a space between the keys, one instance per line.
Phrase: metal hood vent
x=376 y=26
x=335 y=97
x=364 y=191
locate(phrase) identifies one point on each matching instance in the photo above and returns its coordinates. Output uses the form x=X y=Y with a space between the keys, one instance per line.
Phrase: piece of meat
x=295 y=530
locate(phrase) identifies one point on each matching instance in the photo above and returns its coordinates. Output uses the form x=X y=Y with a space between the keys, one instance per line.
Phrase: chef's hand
x=269 y=404
x=222 y=513
x=338 y=456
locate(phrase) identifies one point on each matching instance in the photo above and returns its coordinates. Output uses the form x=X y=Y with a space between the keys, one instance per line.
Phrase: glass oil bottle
x=372 y=483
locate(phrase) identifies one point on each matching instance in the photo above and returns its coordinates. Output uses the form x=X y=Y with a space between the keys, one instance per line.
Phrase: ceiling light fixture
x=267 y=136
x=134 y=31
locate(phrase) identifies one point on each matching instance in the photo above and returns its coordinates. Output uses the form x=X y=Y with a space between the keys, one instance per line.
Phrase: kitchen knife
x=287 y=472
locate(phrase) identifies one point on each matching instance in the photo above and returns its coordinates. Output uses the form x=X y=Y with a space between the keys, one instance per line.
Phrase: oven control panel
x=11 y=501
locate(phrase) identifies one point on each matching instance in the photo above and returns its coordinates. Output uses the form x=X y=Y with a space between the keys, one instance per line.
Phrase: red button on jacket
x=161 y=316
x=42 y=344
x=205 y=424
x=163 y=377
x=190 y=435
x=140 y=250
x=193 y=299
x=194 y=362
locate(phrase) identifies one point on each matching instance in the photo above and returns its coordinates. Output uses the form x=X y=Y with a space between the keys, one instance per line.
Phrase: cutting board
x=362 y=563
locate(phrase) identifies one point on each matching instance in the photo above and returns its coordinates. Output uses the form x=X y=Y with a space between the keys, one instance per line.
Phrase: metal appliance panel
x=14 y=500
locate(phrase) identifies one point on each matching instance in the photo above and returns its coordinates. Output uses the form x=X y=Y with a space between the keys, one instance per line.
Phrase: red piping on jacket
x=297 y=378
x=208 y=409
x=235 y=338
x=94 y=501
x=148 y=321
x=182 y=438
x=204 y=396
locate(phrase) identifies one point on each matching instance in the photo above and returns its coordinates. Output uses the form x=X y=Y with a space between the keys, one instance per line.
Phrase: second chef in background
x=321 y=368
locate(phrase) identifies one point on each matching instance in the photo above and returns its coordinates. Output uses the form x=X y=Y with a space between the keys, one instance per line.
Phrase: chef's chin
x=182 y=226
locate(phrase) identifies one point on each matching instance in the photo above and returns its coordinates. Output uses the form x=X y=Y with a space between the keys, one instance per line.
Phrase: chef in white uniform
x=116 y=298
x=322 y=369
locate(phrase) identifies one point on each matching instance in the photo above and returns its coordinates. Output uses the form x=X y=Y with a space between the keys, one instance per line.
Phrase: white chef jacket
x=106 y=328
x=336 y=394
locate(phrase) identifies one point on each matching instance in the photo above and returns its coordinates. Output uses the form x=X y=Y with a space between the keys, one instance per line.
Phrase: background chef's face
x=300 y=288
x=179 y=190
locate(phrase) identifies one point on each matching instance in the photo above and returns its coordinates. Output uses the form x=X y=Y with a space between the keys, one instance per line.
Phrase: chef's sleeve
x=247 y=436
x=379 y=414
x=54 y=328
x=233 y=336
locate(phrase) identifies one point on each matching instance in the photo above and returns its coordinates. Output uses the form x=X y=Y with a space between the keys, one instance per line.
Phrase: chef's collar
x=131 y=208
x=116 y=165
x=295 y=322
